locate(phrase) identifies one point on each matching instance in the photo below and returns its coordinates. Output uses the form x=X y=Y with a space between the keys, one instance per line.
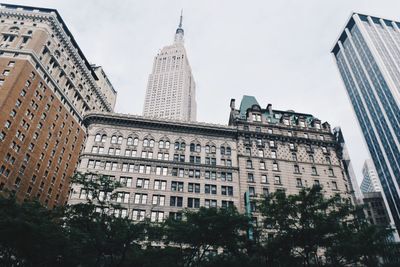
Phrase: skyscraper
x=367 y=54
x=370 y=182
x=46 y=86
x=171 y=90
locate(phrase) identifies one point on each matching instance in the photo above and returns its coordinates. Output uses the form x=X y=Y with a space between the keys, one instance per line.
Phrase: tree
x=203 y=233
x=98 y=236
x=30 y=235
x=309 y=229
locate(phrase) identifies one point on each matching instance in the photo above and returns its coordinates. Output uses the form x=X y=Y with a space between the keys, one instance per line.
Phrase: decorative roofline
x=62 y=32
x=157 y=123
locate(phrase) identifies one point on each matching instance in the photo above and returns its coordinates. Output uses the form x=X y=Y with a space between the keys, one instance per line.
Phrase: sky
x=277 y=51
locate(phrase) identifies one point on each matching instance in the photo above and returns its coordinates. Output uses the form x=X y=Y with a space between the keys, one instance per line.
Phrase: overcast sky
x=278 y=51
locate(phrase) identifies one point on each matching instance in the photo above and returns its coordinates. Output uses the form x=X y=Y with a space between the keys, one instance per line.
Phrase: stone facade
x=46 y=86
x=168 y=164
x=261 y=151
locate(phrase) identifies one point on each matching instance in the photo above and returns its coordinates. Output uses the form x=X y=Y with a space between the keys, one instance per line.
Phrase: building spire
x=179 y=31
x=180 y=21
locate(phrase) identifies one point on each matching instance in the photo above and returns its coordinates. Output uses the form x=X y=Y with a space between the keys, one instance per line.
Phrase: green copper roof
x=246 y=103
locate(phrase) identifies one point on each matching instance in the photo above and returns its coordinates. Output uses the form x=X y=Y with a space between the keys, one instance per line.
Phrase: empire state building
x=171 y=90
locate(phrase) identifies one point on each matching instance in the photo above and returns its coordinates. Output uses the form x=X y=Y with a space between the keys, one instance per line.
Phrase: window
x=194 y=188
x=262 y=165
x=122 y=197
x=160 y=185
x=294 y=157
x=129 y=141
x=176 y=201
x=226 y=204
x=265 y=191
x=264 y=179
x=157 y=216
x=296 y=169
x=138 y=215
x=113 y=139
x=177 y=186
x=6 y=72
x=210 y=189
x=314 y=171
x=125 y=181
x=250 y=177
x=140 y=198
x=227 y=190
x=328 y=160
x=7 y=124
x=277 y=180
x=260 y=153
x=210 y=203
x=324 y=149
x=275 y=166
x=330 y=172
x=158 y=200
x=272 y=143
x=334 y=185
x=193 y=202
x=273 y=154
x=311 y=158
x=316 y=183
x=291 y=146
x=256 y=117
x=299 y=182
x=249 y=164
x=248 y=151
x=305 y=135
x=142 y=183
x=180 y=146
x=252 y=191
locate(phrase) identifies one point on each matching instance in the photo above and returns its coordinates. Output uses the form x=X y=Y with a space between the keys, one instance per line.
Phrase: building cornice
x=126 y=120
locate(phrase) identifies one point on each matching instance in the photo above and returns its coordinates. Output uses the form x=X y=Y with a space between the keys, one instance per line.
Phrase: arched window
x=151 y=143
x=135 y=141
x=119 y=140
x=113 y=139
x=129 y=141
x=167 y=144
x=97 y=138
x=103 y=138
x=228 y=151
x=261 y=153
x=179 y=146
x=213 y=149
x=192 y=147
x=161 y=144
x=145 y=142
x=207 y=149
x=222 y=150
x=198 y=148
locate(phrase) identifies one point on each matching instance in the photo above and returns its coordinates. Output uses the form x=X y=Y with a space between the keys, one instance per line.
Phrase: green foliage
x=311 y=230
x=308 y=230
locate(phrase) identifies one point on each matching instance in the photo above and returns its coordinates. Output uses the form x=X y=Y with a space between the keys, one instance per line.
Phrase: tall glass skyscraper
x=367 y=54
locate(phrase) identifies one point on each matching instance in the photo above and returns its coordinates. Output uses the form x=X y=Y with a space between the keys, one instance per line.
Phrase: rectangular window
x=193 y=202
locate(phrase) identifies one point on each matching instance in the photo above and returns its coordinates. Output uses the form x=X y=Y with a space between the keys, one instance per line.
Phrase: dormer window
x=286 y=121
x=302 y=124
x=318 y=126
x=256 y=117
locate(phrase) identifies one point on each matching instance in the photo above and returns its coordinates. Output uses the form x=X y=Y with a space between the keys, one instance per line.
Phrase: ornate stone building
x=165 y=165
x=168 y=166
x=46 y=86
